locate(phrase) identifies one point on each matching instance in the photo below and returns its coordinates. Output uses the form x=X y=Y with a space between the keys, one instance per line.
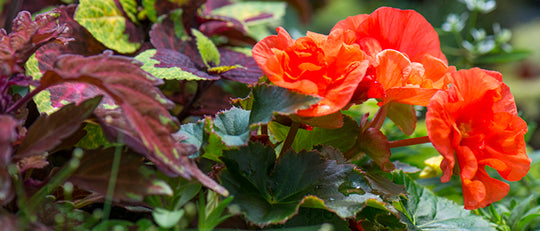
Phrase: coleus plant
x=294 y=145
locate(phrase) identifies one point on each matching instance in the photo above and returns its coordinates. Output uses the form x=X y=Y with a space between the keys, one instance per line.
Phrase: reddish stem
x=379 y=118
x=407 y=142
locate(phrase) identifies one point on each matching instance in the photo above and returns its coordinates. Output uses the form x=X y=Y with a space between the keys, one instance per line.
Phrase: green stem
x=112 y=179
x=290 y=137
x=408 y=142
x=60 y=177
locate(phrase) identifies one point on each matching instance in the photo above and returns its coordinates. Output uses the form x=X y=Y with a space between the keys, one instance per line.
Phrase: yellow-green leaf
x=106 y=23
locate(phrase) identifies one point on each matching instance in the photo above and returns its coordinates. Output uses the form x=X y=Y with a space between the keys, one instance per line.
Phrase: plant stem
x=407 y=142
x=58 y=178
x=379 y=118
x=290 y=137
x=112 y=179
x=24 y=99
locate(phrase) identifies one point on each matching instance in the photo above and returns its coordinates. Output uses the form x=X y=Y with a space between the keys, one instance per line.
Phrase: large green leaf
x=150 y=65
x=267 y=99
x=422 y=210
x=107 y=24
x=232 y=126
x=269 y=191
x=228 y=129
x=342 y=138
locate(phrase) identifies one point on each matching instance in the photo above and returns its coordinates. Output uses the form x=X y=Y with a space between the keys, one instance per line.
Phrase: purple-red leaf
x=83 y=42
x=48 y=131
x=144 y=116
x=249 y=72
x=134 y=180
x=8 y=135
x=26 y=37
x=170 y=58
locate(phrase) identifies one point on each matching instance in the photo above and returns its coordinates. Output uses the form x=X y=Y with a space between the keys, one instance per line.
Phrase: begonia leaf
x=268 y=99
x=404 y=116
x=166 y=72
x=341 y=138
x=134 y=180
x=422 y=210
x=269 y=191
x=207 y=49
x=26 y=37
x=105 y=21
x=228 y=129
x=374 y=143
x=141 y=112
x=232 y=126
x=214 y=145
x=49 y=130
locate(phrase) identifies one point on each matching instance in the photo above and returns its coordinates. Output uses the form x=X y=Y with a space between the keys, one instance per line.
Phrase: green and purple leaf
x=83 y=42
x=109 y=23
x=142 y=113
x=134 y=180
x=48 y=130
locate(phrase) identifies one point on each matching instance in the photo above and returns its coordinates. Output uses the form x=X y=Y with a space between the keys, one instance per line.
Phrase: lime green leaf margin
x=106 y=23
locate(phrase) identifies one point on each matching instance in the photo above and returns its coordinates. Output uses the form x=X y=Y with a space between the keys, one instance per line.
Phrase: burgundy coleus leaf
x=26 y=37
x=189 y=13
x=216 y=25
x=8 y=135
x=134 y=180
x=171 y=58
x=48 y=130
x=144 y=113
x=83 y=42
x=249 y=72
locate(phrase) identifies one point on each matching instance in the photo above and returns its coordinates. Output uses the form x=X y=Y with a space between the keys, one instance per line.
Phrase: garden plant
x=209 y=115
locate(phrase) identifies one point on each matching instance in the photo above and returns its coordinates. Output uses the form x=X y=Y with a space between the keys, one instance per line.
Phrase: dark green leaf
x=232 y=126
x=268 y=99
x=425 y=211
x=342 y=138
x=265 y=190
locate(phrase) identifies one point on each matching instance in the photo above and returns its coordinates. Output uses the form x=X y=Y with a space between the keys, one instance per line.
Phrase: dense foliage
x=161 y=114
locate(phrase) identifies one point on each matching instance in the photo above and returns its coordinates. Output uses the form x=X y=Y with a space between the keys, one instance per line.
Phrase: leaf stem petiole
x=408 y=142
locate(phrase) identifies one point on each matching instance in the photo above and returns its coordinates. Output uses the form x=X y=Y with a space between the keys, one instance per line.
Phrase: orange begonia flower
x=476 y=124
x=405 y=52
x=326 y=66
